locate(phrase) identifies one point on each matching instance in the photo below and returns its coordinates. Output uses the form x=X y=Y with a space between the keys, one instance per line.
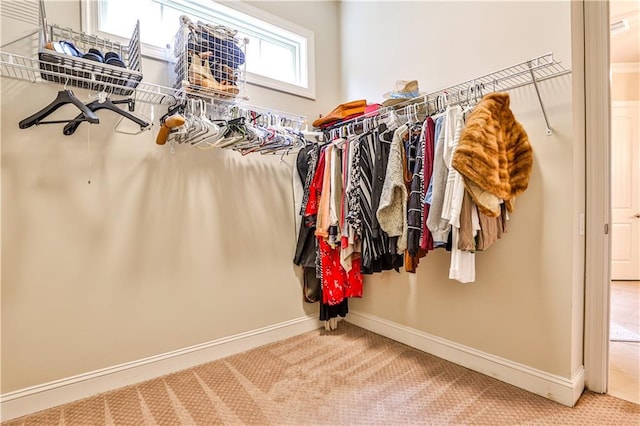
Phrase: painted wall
x=526 y=304
x=160 y=251
x=625 y=86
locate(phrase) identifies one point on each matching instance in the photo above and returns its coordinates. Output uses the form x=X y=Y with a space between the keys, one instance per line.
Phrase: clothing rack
x=532 y=71
x=273 y=117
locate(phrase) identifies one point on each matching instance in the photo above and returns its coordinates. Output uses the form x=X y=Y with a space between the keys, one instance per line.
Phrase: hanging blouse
x=374 y=149
x=462 y=266
x=353 y=216
x=324 y=220
x=350 y=243
x=426 y=239
x=415 y=205
x=439 y=180
x=392 y=212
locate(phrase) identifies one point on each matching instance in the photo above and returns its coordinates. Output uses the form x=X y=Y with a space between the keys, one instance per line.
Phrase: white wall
x=527 y=299
x=160 y=251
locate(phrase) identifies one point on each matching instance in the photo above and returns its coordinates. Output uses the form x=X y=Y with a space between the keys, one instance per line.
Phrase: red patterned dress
x=337 y=284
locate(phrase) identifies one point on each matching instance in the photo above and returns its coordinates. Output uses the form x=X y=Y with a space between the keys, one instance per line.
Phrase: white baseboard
x=560 y=389
x=36 y=398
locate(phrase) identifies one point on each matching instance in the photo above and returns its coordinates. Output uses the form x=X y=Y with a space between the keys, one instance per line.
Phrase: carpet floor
x=348 y=376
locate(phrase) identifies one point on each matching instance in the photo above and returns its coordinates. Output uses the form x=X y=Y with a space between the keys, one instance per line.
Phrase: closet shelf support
x=534 y=80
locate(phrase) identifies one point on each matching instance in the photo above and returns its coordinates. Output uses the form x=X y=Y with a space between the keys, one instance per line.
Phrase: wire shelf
x=533 y=71
x=73 y=58
x=36 y=71
x=121 y=73
x=528 y=72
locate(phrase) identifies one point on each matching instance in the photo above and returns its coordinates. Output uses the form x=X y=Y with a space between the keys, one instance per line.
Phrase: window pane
x=272 y=51
x=277 y=62
x=112 y=20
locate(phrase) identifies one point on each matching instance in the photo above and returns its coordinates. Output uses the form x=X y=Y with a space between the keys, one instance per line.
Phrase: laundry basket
x=87 y=61
x=209 y=61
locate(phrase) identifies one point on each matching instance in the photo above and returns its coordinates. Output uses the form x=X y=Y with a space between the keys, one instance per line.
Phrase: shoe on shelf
x=200 y=75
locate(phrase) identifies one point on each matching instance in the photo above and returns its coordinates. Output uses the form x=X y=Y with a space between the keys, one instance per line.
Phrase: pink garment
x=426 y=239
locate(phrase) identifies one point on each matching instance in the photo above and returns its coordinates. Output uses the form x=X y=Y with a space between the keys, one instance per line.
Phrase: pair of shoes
x=110 y=58
x=225 y=74
x=67 y=47
x=200 y=75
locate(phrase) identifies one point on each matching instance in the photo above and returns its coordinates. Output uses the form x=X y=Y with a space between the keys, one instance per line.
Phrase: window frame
x=90 y=21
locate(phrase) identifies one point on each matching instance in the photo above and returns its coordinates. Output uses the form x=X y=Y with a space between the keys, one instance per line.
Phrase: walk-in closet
x=304 y=212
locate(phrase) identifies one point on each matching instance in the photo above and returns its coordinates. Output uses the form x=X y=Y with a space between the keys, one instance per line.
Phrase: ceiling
x=625 y=46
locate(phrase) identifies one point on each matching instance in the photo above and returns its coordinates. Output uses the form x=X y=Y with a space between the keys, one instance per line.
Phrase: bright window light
x=279 y=54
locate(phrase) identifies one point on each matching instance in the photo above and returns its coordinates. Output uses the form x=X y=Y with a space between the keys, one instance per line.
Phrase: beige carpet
x=344 y=377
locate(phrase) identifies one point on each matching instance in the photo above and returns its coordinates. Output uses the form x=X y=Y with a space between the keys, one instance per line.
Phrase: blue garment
x=224 y=50
x=429 y=195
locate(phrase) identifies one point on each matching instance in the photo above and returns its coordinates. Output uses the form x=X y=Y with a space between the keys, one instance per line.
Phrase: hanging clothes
x=469 y=224
x=415 y=185
x=337 y=284
x=392 y=212
x=427 y=144
x=462 y=267
x=438 y=182
x=305 y=254
x=306 y=162
x=375 y=146
x=384 y=198
x=350 y=238
x=495 y=156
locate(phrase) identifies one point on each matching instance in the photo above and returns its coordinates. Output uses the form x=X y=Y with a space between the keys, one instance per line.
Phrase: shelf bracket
x=548 y=132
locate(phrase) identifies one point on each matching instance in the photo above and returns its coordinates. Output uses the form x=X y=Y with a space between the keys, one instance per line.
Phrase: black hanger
x=96 y=105
x=177 y=108
x=64 y=97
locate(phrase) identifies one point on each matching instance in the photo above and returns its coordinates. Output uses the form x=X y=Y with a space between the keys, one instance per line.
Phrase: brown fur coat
x=494 y=155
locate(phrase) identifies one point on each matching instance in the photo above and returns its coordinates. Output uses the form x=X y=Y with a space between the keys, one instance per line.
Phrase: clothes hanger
x=171 y=120
x=106 y=103
x=64 y=97
x=212 y=130
x=195 y=126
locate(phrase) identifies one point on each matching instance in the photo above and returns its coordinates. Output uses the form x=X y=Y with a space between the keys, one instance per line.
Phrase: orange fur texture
x=494 y=152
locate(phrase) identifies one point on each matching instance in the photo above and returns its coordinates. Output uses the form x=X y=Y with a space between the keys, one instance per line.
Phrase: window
x=279 y=54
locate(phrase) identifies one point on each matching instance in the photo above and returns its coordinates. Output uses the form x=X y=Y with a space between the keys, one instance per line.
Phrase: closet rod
x=301 y=120
x=28 y=69
x=532 y=71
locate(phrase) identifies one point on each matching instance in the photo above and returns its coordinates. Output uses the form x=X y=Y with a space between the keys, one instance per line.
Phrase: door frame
x=598 y=194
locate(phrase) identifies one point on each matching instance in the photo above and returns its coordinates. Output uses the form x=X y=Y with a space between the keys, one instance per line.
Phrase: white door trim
x=598 y=197
x=619 y=104
x=625 y=67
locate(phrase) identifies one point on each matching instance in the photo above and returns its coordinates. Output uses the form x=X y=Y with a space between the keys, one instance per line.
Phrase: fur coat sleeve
x=494 y=155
